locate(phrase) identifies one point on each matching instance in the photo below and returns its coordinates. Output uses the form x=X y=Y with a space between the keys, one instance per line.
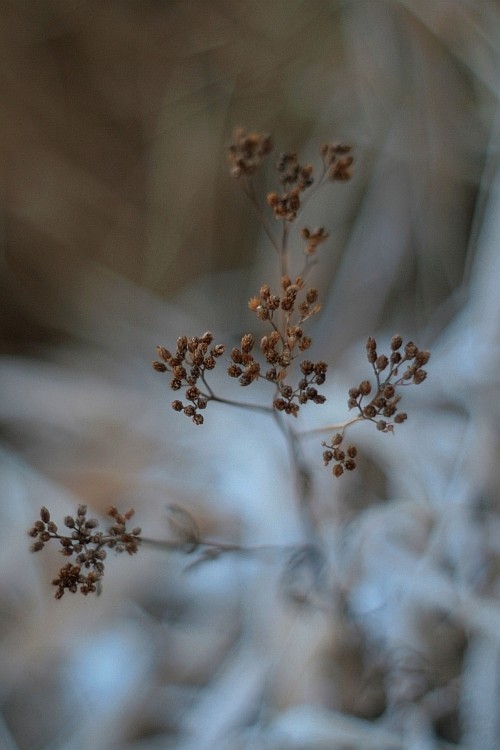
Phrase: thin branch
x=339 y=427
x=250 y=192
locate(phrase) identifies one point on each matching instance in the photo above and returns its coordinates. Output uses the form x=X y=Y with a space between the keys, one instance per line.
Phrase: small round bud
x=365 y=387
x=396 y=342
x=307 y=367
x=159 y=367
x=163 y=353
x=381 y=362
x=44 y=514
x=419 y=376
x=422 y=358
x=247 y=342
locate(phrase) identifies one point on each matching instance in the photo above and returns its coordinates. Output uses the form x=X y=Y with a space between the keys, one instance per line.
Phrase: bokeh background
x=121 y=229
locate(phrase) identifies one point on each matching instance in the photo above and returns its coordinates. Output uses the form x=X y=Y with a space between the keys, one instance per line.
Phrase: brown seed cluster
x=293 y=174
x=297 y=304
x=337 y=161
x=192 y=358
x=291 y=399
x=379 y=402
x=313 y=238
x=247 y=151
x=295 y=178
x=344 y=459
x=383 y=404
x=294 y=298
x=243 y=365
x=86 y=544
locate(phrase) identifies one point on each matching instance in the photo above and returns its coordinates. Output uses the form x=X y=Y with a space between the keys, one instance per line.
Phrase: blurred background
x=121 y=229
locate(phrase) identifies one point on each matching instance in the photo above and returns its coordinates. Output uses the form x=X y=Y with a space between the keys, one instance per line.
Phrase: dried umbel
x=86 y=544
x=193 y=357
x=247 y=151
x=277 y=357
x=378 y=402
x=283 y=313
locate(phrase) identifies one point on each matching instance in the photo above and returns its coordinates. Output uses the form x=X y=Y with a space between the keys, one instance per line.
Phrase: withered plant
x=284 y=309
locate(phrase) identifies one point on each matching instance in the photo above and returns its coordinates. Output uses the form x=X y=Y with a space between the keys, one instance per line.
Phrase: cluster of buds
x=279 y=349
x=313 y=239
x=295 y=178
x=290 y=400
x=383 y=405
x=293 y=174
x=267 y=303
x=337 y=160
x=243 y=365
x=285 y=206
x=193 y=357
x=247 y=151
x=379 y=402
x=344 y=459
x=87 y=544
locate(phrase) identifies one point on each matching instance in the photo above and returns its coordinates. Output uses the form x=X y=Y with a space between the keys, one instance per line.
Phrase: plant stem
x=250 y=192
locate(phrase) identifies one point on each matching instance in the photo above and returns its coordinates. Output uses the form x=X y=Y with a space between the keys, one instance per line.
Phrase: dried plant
x=278 y=360
x=86 y=545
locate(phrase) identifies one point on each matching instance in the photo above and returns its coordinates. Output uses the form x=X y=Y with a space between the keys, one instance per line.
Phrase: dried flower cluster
x=188 y=365
x=247 y=151
x=337 y=161
x=276 y=360
x=86 y=544
x=314 y=238
x=281 y=347
x=382 y=407
x=296 y=178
